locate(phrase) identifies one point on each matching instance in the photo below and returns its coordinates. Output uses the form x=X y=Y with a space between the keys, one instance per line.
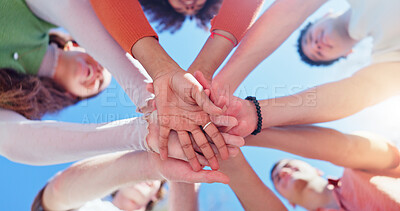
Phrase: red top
x=358 y=190
x=126 y=22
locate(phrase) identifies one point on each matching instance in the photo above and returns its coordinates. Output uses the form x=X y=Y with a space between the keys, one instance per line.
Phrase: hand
x=180 y=171
x=243 y=110
x=176 y=151
x=148 y=108
x=183 y=106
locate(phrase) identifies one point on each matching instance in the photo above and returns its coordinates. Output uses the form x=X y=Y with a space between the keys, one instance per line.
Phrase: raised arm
x=364 y=151
x=266 y=35
x=252 y=193
x=187 y=106
x=327 y=102
x=228 y=27
x=183 y=196
x=335 y=100
x=79 y=19
x=99 y=176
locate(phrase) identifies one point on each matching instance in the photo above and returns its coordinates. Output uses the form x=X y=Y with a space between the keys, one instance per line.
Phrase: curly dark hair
x=167 y=19
x=304 y=57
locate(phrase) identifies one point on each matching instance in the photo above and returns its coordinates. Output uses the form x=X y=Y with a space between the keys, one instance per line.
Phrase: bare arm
x=232 y=21
x=183 y=196
x=252 y=193
x=335 y=100
x=327 y=102
x=49 y=142
x=367 y=152
x=266 y=35
x=213 y=53
x=96 y=177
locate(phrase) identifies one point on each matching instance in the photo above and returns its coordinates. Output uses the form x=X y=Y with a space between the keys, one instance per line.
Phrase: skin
x=137 y=196
x=328 y=38
x=302 y=184
x=96 y=177
x=187 y=7
x=80 y=74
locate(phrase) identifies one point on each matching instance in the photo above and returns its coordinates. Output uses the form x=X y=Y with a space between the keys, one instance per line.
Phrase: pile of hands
x=194 y=119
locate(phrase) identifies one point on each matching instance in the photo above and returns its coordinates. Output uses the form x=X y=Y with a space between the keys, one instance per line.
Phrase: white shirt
x=379 y=19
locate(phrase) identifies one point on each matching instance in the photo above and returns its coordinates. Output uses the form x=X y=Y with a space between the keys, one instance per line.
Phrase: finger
x=228 y=121
x=207 y=176
x=218 y=140
x=202 y=160
x=237 y=141
x=163 y=142
x=208 y=92
x=202 y=80
x=205 y=148
x=233 y=151
x=239 y=130
x=222 y=101
x=150 y=88
x=234 y=108
x=204 y=102
x=188 y=150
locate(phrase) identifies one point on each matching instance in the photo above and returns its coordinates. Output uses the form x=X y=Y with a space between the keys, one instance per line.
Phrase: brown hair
x=32 y=96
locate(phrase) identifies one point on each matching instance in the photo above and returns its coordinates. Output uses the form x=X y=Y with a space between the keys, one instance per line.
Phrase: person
x=170 y=15
x=75 y=75
x=25 y=48
x=351 y=94
x=63 y=141
x=335 y=34
x=108 y=180
x=136 y=36
x=138 y=196
x=370 y=179
x=98 y=178
x=355 y=190
x=35 y=95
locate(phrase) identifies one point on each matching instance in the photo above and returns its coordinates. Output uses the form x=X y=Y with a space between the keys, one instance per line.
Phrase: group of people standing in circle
x=190 y=117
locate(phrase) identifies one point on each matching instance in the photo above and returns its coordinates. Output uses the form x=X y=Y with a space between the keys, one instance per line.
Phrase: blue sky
x=281 y=74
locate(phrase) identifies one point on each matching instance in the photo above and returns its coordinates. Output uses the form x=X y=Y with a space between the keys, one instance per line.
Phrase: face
x=80 y=74
x=325 y=42
x=137 y=196
x=291 y=177
x=187 y=7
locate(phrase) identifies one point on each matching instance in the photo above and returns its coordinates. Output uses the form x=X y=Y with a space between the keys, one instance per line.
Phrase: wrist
x=256 y=116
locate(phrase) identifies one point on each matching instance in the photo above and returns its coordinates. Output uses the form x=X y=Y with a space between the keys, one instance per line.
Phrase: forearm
x=79 y=19
x=335 y=100
x=183 y=196
x=227 y=31
x=213 y=53
x=49 y=142
x=252 y=193
x=95 y=178
x=266 y=35
x=153 y=57
x=359 y=152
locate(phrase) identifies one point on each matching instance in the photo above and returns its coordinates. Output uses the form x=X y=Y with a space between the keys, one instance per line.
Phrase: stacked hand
x=176 y=151
x=183 y=106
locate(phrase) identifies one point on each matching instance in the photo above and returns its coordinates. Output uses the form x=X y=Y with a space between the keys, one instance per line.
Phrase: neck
x=341 y=23
x=320 y=195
